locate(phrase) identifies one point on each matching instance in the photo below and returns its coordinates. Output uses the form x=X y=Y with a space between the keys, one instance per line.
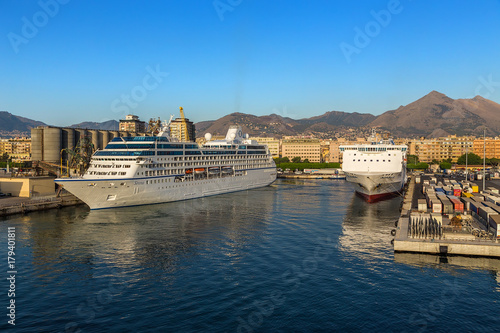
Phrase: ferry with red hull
x=378 y=168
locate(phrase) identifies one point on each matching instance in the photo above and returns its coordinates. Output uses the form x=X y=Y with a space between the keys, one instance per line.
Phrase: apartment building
x=179 y=127
x=132 y=123
x=18 y=149
x=492 y=146
x=272 y=143
x=303 y=147
x=450 y=147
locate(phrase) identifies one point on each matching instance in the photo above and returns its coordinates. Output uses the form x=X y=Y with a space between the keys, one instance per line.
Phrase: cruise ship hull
x=113 y=193
x=376 y=186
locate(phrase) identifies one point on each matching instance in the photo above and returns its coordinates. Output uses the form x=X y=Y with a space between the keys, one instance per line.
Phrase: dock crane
x=184 y=123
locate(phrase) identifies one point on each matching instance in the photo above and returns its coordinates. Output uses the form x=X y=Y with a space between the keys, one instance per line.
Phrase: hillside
x=110 y=125
x=11 y=125
x=438 y=114
x=433 y=115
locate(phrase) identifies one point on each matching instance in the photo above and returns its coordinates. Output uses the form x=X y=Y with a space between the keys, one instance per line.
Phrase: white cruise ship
x=378 y=168
x=142 y=170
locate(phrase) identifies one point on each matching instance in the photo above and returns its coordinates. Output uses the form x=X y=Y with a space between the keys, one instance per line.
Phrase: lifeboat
x=189 y=171
x=227 y=169
x=214 y=169
x=199 y=170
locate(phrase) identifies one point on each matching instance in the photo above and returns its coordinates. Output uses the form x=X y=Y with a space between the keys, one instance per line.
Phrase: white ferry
x=142 y=170
x=378 y=169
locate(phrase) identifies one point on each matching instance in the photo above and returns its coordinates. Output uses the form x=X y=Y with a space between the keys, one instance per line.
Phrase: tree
x=296 y=159
x=434 y=161
x=445 y=165
x=420 y=165
x=494 y=161
x=279 y=160
x=472 y=159
x=412 y=159
x=4 y=157
x=306 y=161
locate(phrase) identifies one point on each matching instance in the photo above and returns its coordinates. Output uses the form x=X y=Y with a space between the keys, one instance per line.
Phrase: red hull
x=377 y=197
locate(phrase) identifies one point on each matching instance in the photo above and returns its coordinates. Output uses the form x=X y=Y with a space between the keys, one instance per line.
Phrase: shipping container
x=491 y=205
x=493 y=190
x=475 y=188
x=467 y=195
x=426 y=182
x=494 y=223
x=467 y=203
x=447 y=205
x=422 y=205
x=478 y=197
x=458 y=206
x=485 y=212
x=457 y=192
x=473 y=206
x=493 y=199
x=437 y=206
x=440 y=189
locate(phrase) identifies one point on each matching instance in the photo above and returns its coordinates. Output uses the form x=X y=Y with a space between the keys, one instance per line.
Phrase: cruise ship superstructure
x=141 y=170
x=378 y=168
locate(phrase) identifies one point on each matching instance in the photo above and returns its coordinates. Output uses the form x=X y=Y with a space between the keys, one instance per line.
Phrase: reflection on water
x=367 y=226
x=452 y=264
x=152 y=236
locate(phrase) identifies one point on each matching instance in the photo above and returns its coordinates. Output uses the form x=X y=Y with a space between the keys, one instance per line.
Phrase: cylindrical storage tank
x=68 y=138
x=79 y=135
x=37 y=144
x=68 y=141
x=94 y=138
x=113 y=134
x=105 y=138
x=52 y=144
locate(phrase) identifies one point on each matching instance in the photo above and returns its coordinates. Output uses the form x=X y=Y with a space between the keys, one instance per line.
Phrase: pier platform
x=422 y=231
x=17 y=205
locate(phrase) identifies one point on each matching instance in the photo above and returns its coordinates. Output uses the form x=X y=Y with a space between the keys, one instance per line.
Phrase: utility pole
x=466 y=159
x=484 y=159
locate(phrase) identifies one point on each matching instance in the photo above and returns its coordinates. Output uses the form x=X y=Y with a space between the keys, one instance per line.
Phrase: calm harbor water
x=296 y=256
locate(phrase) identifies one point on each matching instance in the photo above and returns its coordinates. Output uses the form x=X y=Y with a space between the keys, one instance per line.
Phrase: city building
x=132 y=124
x=18 y=149
x=492 y=146
x=179 y=127
x=335 y=154
x=450 y=147
x=325 y=150
x=305 y=148
x=272 y=143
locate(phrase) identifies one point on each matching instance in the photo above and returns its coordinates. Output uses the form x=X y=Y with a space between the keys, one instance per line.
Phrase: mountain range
x=433 y=115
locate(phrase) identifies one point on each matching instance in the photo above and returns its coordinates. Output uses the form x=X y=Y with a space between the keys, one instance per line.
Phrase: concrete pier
x=423 y=232
x=10 y=206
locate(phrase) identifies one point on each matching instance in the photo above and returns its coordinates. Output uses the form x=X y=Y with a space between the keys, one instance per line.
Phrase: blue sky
x=68 y=61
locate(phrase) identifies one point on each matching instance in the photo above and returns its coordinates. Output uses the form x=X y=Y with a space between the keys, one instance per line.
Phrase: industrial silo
x=106 y=137
x=80 y=134
x=37 y=144
x=114 y=134
x=51 y=144
x=68 y=138
x=94 y=135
